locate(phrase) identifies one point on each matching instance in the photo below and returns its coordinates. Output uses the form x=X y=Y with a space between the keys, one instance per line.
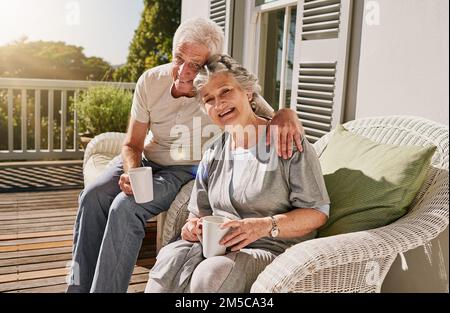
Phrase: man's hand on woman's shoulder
x=289 y=130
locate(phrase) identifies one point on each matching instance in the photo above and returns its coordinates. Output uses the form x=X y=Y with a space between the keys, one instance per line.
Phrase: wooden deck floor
x=36 y=242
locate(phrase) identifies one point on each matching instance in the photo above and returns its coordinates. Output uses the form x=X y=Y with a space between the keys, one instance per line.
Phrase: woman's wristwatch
x=275 y=231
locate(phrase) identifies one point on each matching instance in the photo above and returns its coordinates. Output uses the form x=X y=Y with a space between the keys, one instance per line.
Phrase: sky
x=103 y=27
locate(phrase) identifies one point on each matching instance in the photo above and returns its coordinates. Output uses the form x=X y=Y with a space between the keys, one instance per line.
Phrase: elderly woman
x=272 y=203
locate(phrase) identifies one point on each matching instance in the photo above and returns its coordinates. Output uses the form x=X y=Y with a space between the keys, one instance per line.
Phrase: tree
x=50 y=60
x=152 y=41
x=45 y=60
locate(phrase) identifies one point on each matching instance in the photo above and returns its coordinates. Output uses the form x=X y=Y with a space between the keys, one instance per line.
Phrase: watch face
x=274 y=232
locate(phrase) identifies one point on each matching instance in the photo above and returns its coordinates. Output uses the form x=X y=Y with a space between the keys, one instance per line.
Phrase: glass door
x=276 y=55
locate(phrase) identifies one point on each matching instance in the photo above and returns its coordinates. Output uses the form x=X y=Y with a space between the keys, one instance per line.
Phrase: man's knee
x=89 y=202
x=210 y=274
x=100 y=192
x=125 y=211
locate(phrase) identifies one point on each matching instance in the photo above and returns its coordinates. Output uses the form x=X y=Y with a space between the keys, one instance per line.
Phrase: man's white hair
x=202 y=31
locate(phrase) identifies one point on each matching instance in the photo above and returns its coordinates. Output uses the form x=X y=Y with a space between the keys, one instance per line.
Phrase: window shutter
x=221 y=12
x=320 y=69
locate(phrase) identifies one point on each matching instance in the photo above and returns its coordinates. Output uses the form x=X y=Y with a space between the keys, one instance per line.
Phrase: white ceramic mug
x=141 y=180
x=212 y=234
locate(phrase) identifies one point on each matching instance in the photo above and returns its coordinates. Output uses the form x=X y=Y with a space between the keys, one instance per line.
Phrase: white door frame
x=253 y=43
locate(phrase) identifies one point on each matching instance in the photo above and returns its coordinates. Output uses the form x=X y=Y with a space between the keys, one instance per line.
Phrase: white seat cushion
x=95 y=166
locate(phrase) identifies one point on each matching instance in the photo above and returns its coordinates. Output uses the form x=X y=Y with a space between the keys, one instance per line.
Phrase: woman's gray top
x=269 y=185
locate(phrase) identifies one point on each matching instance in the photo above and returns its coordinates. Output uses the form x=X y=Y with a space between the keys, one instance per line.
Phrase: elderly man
x=110 y=225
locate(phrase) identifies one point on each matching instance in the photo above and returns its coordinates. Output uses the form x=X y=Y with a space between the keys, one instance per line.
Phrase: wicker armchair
x=353 y=262
x=99 y=154
x=359 y=261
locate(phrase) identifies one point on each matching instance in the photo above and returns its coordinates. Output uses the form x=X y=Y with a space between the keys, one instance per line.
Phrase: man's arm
x=289 y=128
x=132 y=148
x=263 y=108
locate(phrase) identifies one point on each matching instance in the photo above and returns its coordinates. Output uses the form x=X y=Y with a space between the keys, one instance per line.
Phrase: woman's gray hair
x=202 y=31
x=222 y=63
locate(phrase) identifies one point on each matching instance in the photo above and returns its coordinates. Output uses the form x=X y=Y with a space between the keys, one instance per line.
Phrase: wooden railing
x=60 y=139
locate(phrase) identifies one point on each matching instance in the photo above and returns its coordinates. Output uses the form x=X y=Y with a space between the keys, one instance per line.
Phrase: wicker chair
x=99 y=154
x=359 y=261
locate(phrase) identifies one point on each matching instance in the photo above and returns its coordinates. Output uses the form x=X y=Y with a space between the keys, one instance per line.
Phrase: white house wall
x=404 y=60
x=194 y=8
x=404 y=69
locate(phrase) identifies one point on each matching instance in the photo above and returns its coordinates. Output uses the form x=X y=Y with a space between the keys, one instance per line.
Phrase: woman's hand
x=192 y=229
x=244 y=232
x=288 y=130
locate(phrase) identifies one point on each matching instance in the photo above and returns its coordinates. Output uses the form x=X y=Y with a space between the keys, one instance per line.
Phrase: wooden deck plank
x=37 y=239
x=57 y=203
x=140 y=278
x=61 y=288
x=35 y=229
x=36 y=234
x=35 y=196
x=38 y=215
x=25 y=197
x=54 y=226
x=33 y=275
x=44 y=202
x=137 y=288
x=40 y=282
x=15 y=269
x=33 y=253
x=7 y=264
x=36 y=221
x=33 y=200
x=21 y=242
x=36 y=246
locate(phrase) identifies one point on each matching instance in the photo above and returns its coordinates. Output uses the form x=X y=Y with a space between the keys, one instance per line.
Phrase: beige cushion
x=95 y=166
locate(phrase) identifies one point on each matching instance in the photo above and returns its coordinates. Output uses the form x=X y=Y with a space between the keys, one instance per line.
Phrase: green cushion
x=370 y=185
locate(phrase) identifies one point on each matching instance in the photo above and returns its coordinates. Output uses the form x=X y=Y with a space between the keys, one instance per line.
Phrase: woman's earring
x=253 y=105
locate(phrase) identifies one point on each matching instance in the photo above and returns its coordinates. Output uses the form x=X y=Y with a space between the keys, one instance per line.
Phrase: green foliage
x=152 y=42
x=51 y=60
x=102 y=109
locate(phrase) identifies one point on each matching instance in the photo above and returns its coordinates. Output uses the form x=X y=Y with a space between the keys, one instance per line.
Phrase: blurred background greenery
x=99 y=109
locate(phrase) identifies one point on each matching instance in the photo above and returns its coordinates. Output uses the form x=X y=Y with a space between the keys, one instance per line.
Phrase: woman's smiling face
x=225 y=101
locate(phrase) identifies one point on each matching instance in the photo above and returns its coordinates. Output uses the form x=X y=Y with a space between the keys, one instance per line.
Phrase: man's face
x=188 y=59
